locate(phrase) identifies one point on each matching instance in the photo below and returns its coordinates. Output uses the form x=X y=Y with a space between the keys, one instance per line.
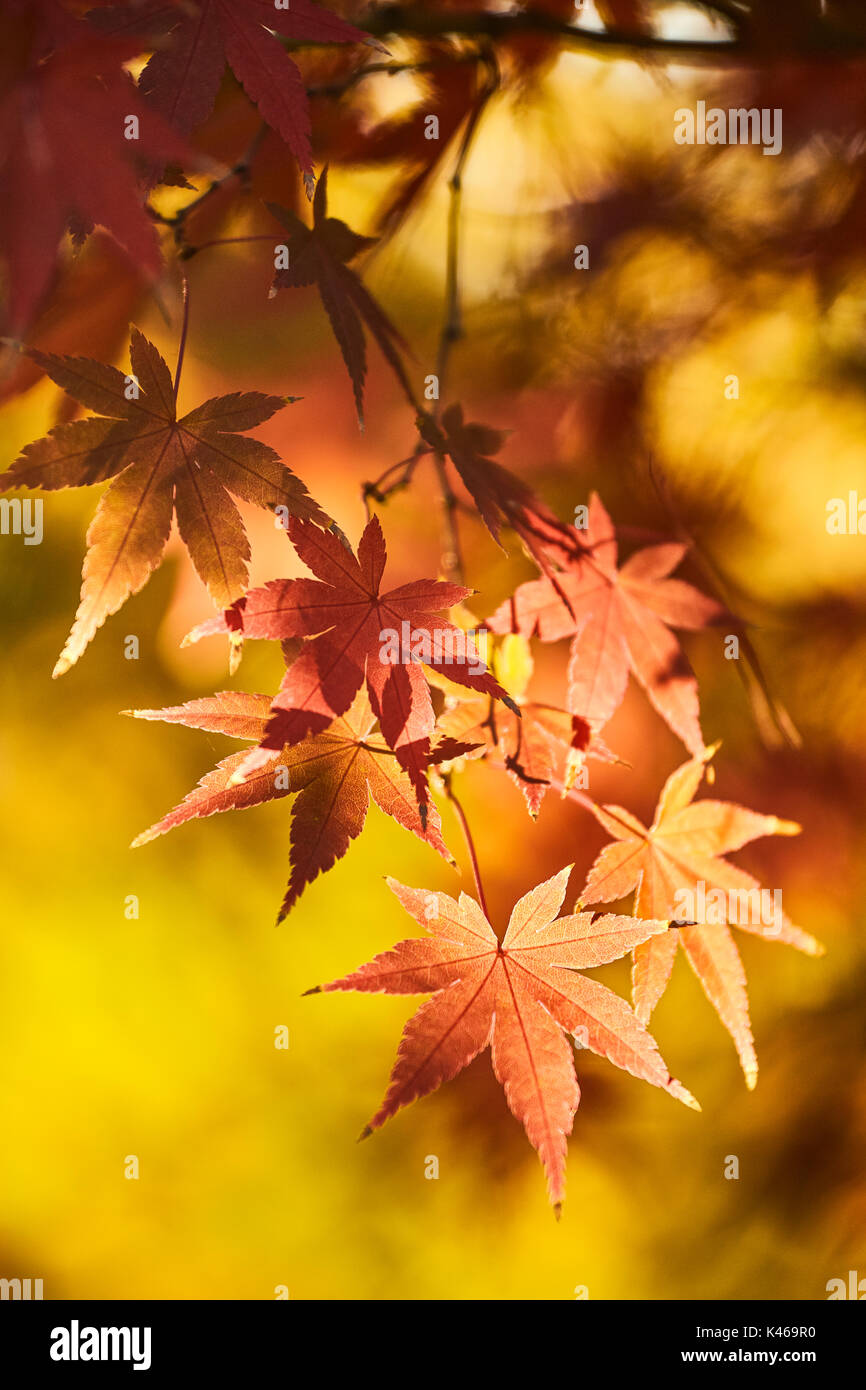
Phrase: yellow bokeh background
x=154 y=1036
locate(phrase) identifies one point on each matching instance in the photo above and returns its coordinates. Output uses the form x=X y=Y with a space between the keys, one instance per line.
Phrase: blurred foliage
x=155 y=1036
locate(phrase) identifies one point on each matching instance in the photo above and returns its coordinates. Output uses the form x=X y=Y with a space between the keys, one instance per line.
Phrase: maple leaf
x=680 y=851
x=158 y=465
x=546 y=747
x=348 y=621
x=519 y=998
x=182 y=77
x=502 y=498
x=318 y=255
x=93 y=296
x=334 y=774
x=619 y=620
x=50 y=177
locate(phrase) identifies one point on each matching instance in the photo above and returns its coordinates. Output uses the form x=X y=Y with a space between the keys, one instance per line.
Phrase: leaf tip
x=236 y=651
x=678 y=1090
x=365 y=1133
x=317 y=989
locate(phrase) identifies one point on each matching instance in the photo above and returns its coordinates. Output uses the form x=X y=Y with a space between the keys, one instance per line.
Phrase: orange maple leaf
x=619 y=620
x=159 y=465
x=518 y=997
x=334 y=775
x=676 y=855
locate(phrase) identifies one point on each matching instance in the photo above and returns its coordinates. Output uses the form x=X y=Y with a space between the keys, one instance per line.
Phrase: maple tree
x=111 y=116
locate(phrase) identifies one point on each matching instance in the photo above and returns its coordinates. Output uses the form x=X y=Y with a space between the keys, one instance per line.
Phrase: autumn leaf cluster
x=349 y=725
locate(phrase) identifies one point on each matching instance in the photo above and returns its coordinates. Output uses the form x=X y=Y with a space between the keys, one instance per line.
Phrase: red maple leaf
x=159 y=465
x=68 y=157
x=517 y=997
x=318 y=255
x=334 y=775
x=680 y=851
x=619 y=620
x=501 y=497
x=349 y=623
x=182 y=77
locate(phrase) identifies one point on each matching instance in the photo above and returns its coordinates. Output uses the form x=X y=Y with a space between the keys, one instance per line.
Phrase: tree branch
x=424 y=22
x=821 y=39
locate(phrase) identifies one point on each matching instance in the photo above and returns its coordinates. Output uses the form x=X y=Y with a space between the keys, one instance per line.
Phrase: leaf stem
x=470 y=844
x=183 y=332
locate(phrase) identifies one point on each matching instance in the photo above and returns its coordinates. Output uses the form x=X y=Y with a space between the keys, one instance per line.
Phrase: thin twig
x=375 y=488
x=452 y=323
x=345 y=84
x=189 y=251
x=452 y=326
x=241 y=170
